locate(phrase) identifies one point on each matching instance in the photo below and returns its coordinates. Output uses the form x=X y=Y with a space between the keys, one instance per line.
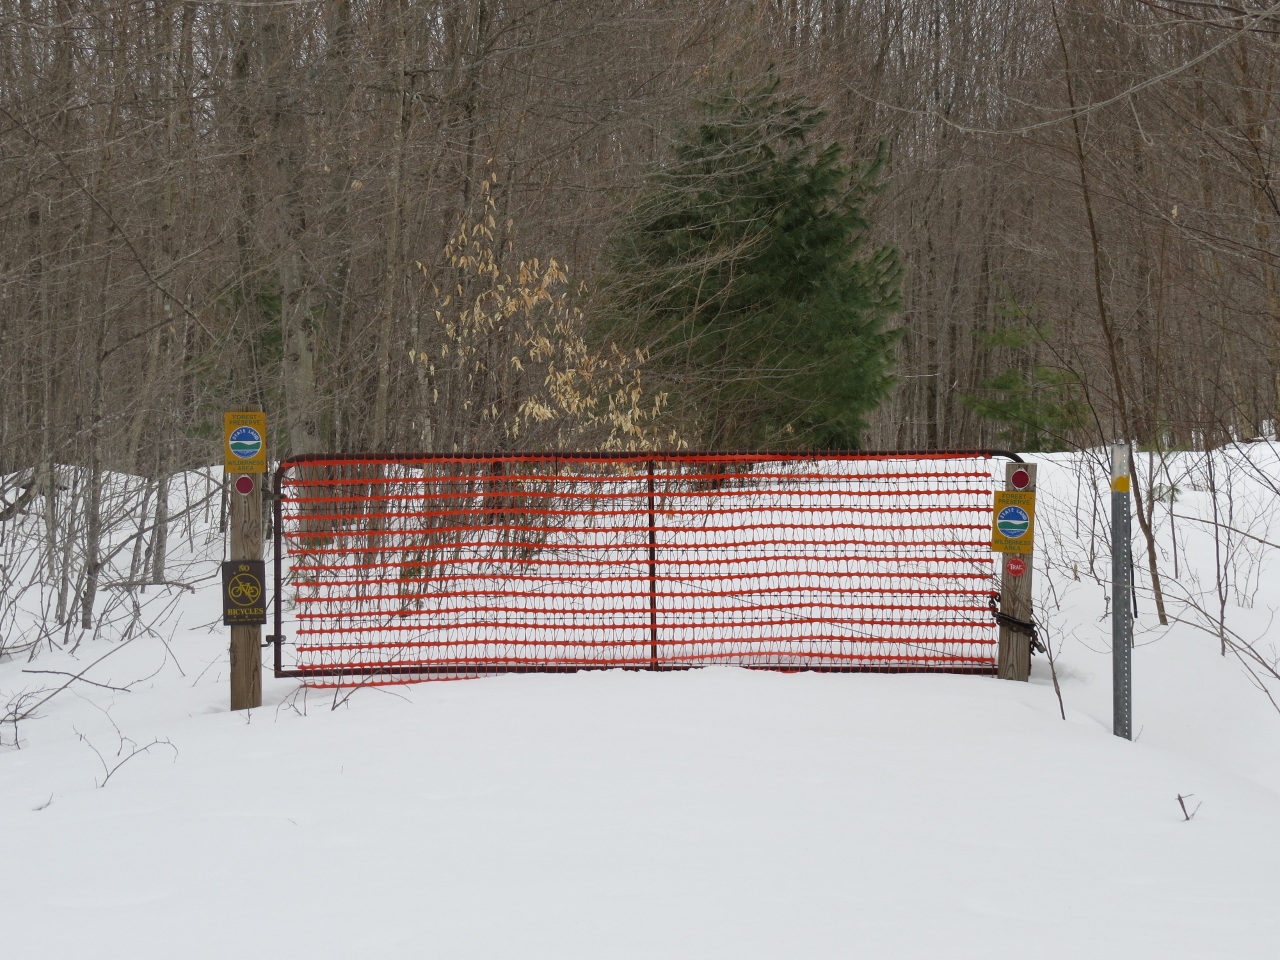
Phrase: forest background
x=207 y=204
x=307 y=205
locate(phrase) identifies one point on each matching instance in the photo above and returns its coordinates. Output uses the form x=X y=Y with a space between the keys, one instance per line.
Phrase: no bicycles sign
x=243 y=597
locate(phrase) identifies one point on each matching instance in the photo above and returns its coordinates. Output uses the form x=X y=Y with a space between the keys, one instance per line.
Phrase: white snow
x=705 y=814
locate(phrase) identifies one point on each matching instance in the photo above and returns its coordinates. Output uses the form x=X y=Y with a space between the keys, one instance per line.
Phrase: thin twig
x=1182 y=802
x=1225 y=526
x=75 y=676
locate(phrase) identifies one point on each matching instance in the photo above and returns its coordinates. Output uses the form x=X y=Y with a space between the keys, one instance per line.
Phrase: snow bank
x=714 y=813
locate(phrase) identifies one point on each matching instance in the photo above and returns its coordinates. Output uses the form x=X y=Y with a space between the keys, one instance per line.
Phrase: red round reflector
x=244 y=485
x=1020 y=479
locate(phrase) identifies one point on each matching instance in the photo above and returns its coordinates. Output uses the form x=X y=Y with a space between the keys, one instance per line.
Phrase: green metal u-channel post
x=1121 y=596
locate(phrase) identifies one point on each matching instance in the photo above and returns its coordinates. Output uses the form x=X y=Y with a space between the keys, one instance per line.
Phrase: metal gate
x=402 y=568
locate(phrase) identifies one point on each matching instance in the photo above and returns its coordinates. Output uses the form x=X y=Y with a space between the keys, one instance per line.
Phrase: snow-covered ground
x=713 y=813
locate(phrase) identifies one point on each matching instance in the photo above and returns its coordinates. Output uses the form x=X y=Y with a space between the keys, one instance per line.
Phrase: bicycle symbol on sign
x=244 y=590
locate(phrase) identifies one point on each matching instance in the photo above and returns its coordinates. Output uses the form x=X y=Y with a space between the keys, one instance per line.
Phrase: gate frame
x=653 y=457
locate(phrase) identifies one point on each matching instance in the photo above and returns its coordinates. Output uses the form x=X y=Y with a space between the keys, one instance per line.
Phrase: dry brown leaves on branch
x=508 y=363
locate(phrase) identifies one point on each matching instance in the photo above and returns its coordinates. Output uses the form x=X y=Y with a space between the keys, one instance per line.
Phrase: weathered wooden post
x=1013 y=537
x=244 y=594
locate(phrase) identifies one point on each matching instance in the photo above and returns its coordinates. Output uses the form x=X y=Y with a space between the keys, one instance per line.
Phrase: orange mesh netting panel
x=403 y=568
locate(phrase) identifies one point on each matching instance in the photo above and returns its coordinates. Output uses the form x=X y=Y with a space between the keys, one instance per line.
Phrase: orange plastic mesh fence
x=396 y=569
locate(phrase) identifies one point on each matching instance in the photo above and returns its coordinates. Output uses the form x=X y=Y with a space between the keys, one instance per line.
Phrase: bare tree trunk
x=392 y=275
x=298 y=306
x=70 y=530
x=160 y=527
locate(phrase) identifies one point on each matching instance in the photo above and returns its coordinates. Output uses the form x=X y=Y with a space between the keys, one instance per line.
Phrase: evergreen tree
x=742 y=270
x=1033 y=406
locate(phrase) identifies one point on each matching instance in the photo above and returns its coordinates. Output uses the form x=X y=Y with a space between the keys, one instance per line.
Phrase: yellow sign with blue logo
x=1013 y=522
x=244 y=442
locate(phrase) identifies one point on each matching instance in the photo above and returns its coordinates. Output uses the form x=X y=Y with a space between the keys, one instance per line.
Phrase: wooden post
x=245 y=493
x=1013 y=658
